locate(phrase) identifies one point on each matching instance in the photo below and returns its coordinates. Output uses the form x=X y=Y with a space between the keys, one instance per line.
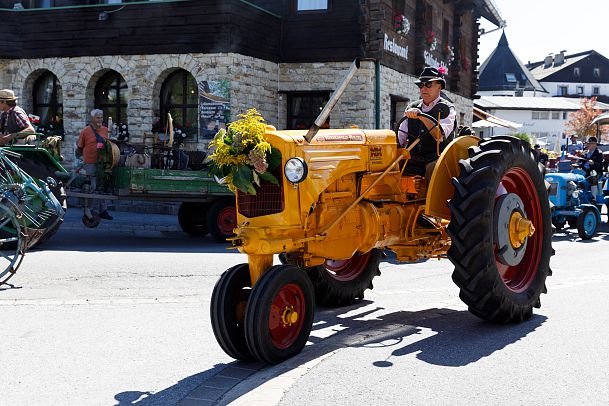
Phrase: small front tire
x=587 y=223
x=279 y=314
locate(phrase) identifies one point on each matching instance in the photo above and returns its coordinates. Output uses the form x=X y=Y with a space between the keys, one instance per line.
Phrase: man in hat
x=14 y=122
x=574 y=146
x=592 y=160
x=425 y=154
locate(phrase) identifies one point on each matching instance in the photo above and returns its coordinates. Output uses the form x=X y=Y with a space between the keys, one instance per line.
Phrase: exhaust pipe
x=321 y=119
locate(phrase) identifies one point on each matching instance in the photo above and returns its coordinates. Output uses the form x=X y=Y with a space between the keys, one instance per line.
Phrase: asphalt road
x=104 y=317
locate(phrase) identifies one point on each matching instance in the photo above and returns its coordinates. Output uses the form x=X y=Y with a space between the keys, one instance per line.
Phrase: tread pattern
x=472 y=249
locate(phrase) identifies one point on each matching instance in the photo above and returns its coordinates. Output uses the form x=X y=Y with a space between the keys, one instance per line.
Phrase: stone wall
x=253 y=83
x=355 y=107
x=394 y=83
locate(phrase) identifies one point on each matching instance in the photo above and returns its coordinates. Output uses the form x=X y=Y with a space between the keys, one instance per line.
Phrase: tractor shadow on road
x=454 y=339
x=437 y=336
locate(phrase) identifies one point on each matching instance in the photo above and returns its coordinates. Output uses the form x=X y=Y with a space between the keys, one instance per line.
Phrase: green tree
x=523 y=136
x=580 y=121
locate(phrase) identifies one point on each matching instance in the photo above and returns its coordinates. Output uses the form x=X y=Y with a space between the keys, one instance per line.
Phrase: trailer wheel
x=12 y=244
x=228 y=304
x=222 y=219
x=586 y=223
x=340 y=283
x=93 y=221
x=279 y=314
x=192 y=218
x=500 y=267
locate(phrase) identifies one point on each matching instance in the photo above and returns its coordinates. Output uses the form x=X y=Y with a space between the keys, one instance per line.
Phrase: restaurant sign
x=394 y=48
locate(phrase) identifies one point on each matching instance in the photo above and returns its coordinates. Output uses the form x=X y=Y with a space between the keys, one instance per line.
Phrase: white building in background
x=585 y=74
x=542 y=118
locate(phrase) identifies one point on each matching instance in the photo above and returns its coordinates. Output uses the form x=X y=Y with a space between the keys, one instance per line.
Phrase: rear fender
x=441 y=189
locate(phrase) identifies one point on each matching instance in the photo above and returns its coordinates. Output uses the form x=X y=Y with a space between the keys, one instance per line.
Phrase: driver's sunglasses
x=426 y=84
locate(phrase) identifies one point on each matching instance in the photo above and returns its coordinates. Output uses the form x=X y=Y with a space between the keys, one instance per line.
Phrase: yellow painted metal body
x=354 y=199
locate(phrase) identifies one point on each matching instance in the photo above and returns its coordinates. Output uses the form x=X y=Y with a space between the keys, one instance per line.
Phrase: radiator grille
x=268 y=199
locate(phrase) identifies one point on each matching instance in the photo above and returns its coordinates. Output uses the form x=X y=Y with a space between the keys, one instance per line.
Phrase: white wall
x=552 y=88
x=550 y=130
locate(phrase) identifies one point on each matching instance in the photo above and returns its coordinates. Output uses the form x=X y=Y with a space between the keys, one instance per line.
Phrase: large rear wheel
x=342 y=282
x=228 y=304
x=501 y=231
x=279 y=314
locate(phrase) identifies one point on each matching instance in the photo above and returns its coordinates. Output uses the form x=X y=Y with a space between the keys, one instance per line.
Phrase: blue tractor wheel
x=587 y=223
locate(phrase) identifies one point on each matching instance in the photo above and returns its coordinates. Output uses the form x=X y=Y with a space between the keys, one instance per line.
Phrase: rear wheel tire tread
x=472 y=252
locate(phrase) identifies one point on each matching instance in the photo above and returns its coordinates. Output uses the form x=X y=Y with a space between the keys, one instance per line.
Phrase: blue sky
x=536 y=28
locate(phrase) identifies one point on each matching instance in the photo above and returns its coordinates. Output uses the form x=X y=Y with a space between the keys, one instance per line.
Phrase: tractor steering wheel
x=399 y=123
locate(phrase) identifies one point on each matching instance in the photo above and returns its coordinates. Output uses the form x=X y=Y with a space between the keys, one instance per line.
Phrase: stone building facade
x=254 y=83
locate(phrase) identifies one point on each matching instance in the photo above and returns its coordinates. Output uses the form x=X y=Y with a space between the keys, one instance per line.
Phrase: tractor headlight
x=295 y=170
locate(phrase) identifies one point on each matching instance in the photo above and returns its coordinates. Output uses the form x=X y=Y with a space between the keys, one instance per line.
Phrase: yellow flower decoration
x=231 y=159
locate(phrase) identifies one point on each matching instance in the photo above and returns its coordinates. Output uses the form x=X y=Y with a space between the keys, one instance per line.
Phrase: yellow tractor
x=342 y=199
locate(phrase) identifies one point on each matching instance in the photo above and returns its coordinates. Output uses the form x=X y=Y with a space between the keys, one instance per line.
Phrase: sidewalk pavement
x=124 y=221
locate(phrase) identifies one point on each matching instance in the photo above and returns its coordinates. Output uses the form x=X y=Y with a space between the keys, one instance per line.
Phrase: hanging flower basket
x=401 y=24
x=242 y=156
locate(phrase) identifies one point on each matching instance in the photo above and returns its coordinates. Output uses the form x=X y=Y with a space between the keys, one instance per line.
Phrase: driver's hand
x=412 y=113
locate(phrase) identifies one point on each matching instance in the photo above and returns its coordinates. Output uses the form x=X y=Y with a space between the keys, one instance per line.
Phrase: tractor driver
x=592 y=160
x=425 y=154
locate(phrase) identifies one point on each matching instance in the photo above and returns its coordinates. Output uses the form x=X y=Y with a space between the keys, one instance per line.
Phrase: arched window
x=180 y=97
x=111 y=97
x=47 y=98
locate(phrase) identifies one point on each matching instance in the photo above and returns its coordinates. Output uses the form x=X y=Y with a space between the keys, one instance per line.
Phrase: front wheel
x=279 y=314
x=586 y=223
x=342 y=282
x=500 y=230
x=227 y=310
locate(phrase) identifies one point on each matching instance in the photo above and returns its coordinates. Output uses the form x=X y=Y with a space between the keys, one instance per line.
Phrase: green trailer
x=206 y=206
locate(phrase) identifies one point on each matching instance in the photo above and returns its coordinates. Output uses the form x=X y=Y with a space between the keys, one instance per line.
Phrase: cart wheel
x=192 y=218
x=228 y=303
x=93 y=221
x=12 y=244
x=279 y=314
x=222 y=219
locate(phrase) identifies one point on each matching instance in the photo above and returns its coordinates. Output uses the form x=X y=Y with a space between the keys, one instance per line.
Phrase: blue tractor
x=574 y=203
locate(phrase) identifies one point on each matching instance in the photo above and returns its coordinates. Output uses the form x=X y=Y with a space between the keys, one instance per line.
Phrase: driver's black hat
x=592 y=139
x=430 y=74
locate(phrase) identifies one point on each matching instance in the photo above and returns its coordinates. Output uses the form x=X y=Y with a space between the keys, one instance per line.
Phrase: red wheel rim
x=348 y=269
x=283 y=334
x=227 y=220
x=518 y=278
